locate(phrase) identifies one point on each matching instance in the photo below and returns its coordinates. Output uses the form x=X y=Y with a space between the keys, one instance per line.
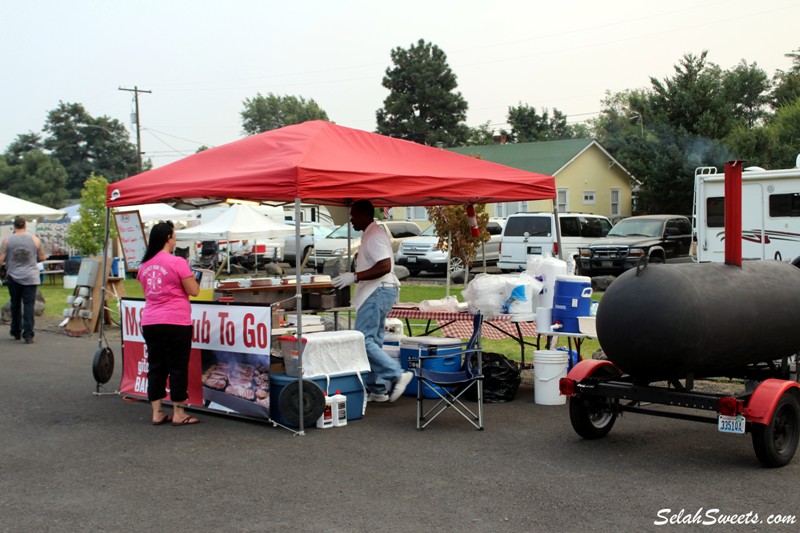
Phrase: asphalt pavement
x=74 y=461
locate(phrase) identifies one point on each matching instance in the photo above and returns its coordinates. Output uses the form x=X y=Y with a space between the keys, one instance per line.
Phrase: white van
x=534 y=234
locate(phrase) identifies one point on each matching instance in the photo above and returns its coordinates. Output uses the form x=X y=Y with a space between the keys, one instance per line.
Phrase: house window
x=588 y=198
x=561 y=200
x=615 y=203
x=509 y=208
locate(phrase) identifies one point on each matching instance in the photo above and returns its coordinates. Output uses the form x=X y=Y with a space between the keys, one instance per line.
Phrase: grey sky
x=202 y=58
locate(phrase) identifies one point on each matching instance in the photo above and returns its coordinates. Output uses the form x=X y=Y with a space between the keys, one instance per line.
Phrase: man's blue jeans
x=23 y=299
x=371 y=321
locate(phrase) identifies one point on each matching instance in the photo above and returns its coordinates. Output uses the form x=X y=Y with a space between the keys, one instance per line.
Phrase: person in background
x=168 y=282
x=21 y=253
x=376 y=292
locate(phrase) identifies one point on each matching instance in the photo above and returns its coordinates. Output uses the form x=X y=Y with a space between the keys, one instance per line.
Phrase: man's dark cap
x=19 y=222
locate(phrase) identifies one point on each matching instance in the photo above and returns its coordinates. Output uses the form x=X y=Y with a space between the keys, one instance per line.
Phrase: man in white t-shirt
x=376 y=292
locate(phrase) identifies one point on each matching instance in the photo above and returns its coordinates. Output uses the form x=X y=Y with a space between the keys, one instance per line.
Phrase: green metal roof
x=545 y=157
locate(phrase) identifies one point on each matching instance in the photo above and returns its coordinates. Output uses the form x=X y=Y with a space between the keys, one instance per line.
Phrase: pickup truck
x=659 y=238
x=334 y=246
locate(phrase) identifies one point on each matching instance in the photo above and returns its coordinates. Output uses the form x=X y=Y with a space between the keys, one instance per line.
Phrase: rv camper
x=770 y=214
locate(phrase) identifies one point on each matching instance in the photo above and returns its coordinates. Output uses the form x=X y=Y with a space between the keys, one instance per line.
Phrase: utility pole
x=136 y=90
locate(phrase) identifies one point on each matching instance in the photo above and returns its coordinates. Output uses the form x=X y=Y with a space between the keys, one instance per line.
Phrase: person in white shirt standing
x=376 y=292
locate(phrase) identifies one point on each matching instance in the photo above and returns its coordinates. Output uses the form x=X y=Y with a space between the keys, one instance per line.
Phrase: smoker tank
x=670 y=321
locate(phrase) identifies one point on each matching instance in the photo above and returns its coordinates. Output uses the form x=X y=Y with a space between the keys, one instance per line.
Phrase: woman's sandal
x=188 y=421
x=167 y=419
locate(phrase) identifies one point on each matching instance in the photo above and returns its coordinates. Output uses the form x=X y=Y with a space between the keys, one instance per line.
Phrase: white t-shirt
x=375 y=246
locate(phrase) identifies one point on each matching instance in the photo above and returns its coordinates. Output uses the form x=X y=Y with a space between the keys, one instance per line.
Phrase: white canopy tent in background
x=154 y=212
x=239 y=221
x=147 y=212
x=11 y=206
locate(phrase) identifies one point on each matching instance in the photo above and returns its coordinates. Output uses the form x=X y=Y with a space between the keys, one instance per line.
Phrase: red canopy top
x=322 y=163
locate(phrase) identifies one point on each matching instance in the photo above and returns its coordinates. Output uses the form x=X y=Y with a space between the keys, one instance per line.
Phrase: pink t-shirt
x=166 y=301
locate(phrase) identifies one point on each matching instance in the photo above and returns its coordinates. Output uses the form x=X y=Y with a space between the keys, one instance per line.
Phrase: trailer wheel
x=591 y=419
x=776 y=442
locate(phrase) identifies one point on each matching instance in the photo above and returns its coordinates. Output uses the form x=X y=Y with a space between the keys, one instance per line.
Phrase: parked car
x=423 y=253
x=310 y=234
x=528 y=234
x=334 y=246
x=659 y=238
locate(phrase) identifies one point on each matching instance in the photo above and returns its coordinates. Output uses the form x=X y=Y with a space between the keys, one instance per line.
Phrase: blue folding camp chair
x=448 y=387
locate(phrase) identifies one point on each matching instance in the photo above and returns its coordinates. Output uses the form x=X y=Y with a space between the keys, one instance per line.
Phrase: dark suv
x=659 y=238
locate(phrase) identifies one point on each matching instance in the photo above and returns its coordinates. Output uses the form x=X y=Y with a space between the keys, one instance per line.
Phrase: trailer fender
x=764 y=399
x=588 y=367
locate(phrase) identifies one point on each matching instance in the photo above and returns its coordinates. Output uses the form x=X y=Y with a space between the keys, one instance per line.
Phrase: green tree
x=746 y=88
x=528 y=126
x=694 y=99
x=36 y=177
x=265 y=113
x=785 y=130
x=481 y=135
x=25 y=142
x=786 y=85
x=88 y=233
x=85 y=144
x=422 y=105
x=661 y=155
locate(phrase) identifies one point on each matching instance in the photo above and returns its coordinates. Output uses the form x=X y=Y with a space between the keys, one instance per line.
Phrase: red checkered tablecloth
x=459 y=325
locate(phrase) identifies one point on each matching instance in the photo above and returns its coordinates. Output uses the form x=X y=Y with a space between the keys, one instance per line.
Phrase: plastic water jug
x=339 y=409
x=325 y=420
x=550 y=268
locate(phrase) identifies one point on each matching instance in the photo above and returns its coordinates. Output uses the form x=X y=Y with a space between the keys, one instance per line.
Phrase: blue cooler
x=347 y=384
x=572 y=298
x=416 y=346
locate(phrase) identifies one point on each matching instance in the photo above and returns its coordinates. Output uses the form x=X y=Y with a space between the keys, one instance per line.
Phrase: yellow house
x=588 y=178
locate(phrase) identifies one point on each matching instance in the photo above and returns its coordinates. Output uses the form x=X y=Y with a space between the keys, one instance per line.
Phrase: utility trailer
x=770 y=214
x=768 y=407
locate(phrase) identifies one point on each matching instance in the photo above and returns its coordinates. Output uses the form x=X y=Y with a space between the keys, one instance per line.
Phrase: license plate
x=731 y=424
x=534 y=250
x=606 y=264
x=412 y=259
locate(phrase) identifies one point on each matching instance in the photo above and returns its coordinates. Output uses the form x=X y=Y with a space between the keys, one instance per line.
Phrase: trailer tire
x=591 y=419
x=775 y=443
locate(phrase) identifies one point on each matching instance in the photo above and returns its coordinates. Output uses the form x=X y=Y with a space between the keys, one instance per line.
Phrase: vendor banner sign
x=229 y=362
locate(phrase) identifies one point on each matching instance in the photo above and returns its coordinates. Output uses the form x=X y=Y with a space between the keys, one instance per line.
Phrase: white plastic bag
x=447 y=304
x=486 y=294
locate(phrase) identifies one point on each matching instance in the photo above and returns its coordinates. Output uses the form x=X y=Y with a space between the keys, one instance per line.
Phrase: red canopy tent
x=322 y=163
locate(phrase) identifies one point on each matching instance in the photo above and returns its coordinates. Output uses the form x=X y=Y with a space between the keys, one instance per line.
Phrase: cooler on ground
x=348 y=384
x=416 y=346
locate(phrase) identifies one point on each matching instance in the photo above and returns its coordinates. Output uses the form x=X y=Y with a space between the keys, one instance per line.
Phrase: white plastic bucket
x=70 y=282
x=548 y=367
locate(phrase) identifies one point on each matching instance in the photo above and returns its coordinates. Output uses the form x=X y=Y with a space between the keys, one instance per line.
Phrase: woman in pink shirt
x=168 y=282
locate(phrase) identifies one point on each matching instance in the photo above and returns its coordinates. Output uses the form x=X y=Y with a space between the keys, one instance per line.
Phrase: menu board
x=131 y=235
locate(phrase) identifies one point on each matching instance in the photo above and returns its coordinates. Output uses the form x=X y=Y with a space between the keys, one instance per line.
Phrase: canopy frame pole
x=299 y=309
x=102 y=317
